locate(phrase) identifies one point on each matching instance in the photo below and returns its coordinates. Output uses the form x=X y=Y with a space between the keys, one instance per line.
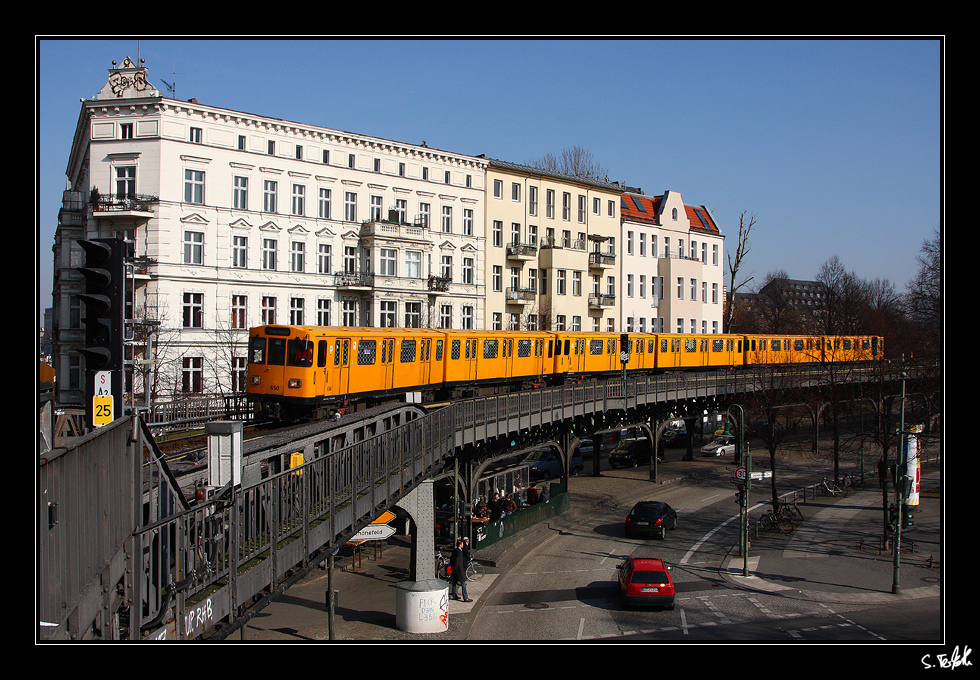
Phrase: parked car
x=650 y=518
x=646 y=581
x=719 y=446
x=544 y=464
x=630 y=453
x=674 y=437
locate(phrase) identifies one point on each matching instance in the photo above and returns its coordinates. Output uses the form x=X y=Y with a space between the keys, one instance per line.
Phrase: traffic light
x=907 y=519
x=104 y=300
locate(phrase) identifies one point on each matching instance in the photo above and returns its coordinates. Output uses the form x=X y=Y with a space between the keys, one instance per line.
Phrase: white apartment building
x=672 y=266
x=550 y=250
x=238 y=220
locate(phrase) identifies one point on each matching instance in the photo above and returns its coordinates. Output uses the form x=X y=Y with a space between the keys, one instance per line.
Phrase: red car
x=646 y=580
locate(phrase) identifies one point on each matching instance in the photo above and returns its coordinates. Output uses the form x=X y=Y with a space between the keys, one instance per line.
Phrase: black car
x=630 y=453
x=650 y=518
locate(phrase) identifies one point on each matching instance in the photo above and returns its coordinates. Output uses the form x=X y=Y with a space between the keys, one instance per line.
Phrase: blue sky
x=835 y=146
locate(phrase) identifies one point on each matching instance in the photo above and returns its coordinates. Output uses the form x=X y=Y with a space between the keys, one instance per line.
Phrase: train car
x=297 y=370
x=581 y=354
x=495 y=360
x=852 y=348
x=782 y=349
x=677 y=351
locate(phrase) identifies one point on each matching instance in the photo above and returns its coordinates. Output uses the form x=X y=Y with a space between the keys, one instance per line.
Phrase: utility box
x=224 y=453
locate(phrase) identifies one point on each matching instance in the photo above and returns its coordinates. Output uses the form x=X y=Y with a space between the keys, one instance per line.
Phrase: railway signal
x=104 y=299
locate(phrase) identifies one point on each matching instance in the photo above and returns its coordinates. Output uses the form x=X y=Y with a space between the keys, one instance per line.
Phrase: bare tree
x=775 y=311
x=576 y=161
x=735 y=263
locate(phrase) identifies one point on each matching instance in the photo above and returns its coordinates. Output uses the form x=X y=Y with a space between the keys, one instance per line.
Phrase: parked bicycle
x=791 y=511
x=773 y=521
x=442 y=566
x=474 y=571
x=831 y=488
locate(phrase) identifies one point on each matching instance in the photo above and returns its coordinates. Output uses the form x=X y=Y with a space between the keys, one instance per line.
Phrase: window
x=194 y=186
x=468 y=270
x=240 y=196
x=550 y=202
x=324 y=259
x=350 y=206
x=629 y=285
x=532 y=200
x=350 y=259
x=447 y=219
x=269 y=250
x=299 y=199
x=388 y=310
x=577 y=283
x=126 y=181
x=498 y=189
x=196 y=135
x=193 y=310
x=193 y=247
x=468 y=317
x=271 y=148
x=375 y=209
x=238 y=308
x=297 y=260
x=498 y=278
x=566 y=206
x=268 y=310
x=192 y=375
x=349 y=311
x=413 y=315
x=388 y=262
x=296 y=309
x=498 y=233
x=323 y=312
x=424 y=215
x=581 y=209
x=239 y=252
x=560 y=282
x=447 y=267
x=445 y=316
x=126 y=131
x=241 y=142
x=468 y=222
x=413 y=264
x=401 y=208
x=515 y=192
x=269 y=196
x=299 y=152
x=323 y=206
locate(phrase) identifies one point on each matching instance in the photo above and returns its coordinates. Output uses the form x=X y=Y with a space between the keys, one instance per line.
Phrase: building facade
x=672 y=266
x=550 y=250
x=238 y=220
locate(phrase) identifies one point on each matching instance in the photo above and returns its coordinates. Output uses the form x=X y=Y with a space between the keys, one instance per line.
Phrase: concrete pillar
x=419 y=503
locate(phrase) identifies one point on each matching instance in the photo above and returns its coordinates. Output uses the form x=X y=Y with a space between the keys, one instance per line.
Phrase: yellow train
x=303 y=371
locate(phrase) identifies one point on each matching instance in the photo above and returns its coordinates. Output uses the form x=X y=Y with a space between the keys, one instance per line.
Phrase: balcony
x=521 y=251
x=602 y=301
x=395 y=228
x=602 y=260
x=520 y=296
x=123 y=204
x=353 y=279
x=439 y=284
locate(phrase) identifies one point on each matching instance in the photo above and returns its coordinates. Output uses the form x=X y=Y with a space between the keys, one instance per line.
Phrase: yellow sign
x=101 y=410
x=385 y=517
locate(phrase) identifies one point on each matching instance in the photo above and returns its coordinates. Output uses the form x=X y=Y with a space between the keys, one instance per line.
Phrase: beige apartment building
x=551 y=250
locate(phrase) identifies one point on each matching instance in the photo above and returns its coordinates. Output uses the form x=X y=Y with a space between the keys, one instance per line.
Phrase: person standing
x=458 y=563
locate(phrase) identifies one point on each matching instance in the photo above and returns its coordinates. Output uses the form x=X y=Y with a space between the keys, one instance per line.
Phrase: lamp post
x=900 y=493
x=744 y=495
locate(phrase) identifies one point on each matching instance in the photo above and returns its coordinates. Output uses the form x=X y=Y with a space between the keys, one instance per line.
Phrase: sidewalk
x=832 y=556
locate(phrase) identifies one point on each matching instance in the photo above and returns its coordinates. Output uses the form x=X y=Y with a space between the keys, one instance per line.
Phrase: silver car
x=719 y=446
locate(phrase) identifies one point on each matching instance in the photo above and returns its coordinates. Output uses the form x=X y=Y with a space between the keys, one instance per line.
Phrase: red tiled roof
x=699 y=217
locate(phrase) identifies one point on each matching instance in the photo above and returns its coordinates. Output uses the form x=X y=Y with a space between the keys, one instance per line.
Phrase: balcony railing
x=439 y=283
x=124 y=203
x=602 y=300
x=520 y=295
x=522 y=250
x=602 y=260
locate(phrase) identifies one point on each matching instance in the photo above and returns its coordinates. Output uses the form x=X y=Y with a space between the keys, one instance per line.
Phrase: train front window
x=276 y=355
x=256 y=350
x=300 y=352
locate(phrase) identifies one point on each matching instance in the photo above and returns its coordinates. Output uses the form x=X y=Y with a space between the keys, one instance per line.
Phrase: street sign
x=374 y=532
x=101 y=410
x=740 y=473
x=765 y=474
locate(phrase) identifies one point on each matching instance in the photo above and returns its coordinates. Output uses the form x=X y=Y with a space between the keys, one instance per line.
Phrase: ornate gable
x=127 y=81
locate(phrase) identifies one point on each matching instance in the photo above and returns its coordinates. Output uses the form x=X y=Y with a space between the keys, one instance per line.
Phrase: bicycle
x=474 y=571
x=442 y=566
x=773 y=521
x=791 y=511
x=832 y=488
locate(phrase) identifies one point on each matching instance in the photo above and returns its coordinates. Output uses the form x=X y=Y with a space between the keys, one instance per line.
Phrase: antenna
x=172 y=87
